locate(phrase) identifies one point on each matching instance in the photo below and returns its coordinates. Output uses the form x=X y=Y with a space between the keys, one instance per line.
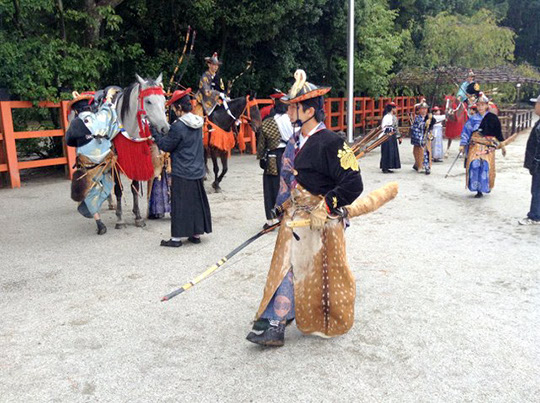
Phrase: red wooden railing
x=367 y=114
x=367 y=111
x=9 y=161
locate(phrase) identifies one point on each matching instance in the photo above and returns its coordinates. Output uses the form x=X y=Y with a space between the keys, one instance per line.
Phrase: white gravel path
x=447 y=307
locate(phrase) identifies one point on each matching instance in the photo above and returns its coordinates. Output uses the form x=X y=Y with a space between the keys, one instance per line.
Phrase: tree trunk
x=17 y=17
x=93 y=28
x=62 y=23
x=94 y=23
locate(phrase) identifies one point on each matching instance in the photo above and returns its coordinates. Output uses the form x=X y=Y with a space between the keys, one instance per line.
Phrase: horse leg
x=135 y=190
x=118 y=193
x=448 y=148
x=215 y=167
x=225 y=164
x=111 y=203
x=205 y=164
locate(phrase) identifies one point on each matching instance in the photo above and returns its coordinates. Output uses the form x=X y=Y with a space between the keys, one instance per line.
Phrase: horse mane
x=126 y=95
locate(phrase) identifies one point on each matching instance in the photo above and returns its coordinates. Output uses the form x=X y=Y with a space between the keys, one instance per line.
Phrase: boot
x=101 y=228
x=478 y=195
x=273 y=336
x=260 y=325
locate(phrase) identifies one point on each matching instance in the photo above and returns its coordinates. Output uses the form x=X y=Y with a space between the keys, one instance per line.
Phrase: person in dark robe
x=190 y=211
x=389 y=149
x=275 y=133
x=532 y=163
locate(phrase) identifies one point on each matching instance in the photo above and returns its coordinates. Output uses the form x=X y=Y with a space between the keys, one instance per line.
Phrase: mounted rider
x=469 y=88
x=211 y=89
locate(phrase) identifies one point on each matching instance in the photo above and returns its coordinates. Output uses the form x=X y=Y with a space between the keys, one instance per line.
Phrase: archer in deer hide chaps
x=480 y=168
x=309 y=278
x=92 y=133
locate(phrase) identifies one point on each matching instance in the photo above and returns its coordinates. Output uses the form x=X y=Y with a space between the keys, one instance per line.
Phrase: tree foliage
x=476 y=41
x=50 y=47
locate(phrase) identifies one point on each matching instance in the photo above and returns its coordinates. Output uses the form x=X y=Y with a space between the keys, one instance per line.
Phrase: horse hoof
x=120 y=226
x=140 y=223
x=112 y=207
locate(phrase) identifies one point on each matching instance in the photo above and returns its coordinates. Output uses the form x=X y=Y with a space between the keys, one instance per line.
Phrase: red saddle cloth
x=454 y=128
x=134 y=157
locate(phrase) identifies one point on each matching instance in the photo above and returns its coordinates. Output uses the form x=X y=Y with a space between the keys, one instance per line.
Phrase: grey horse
x=128 y=104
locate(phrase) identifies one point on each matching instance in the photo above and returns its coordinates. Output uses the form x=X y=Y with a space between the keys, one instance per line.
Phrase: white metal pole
x=350 y=74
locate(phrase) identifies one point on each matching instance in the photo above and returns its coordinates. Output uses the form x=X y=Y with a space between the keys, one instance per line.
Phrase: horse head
x=152 y=102
x=451 y=107
x=143 y=99
x=255 y=121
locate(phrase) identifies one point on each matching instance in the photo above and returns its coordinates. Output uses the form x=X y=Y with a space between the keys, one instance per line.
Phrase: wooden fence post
x=9 y=141
x=69 y=152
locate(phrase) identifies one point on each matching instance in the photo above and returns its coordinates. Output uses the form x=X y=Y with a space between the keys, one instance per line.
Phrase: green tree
x=476 y=41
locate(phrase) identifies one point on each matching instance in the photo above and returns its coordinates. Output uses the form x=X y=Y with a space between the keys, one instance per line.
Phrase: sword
x=452 y=166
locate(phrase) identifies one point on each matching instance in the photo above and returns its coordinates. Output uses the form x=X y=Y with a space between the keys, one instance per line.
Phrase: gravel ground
x=447 y=306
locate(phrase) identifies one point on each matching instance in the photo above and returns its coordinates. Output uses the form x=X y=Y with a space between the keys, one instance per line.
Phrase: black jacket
x=185 y=143
x=532 y=152
x=327 y=166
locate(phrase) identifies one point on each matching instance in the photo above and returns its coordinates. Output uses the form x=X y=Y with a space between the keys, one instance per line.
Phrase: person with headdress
x=211 y=88
x=469 y=88
x=265 y=111
x=437 y=145
x=309 y=278
x=421 y=137
x=469 y=128
x=480 y=175
x=190 y=211
x=91 y=130
x=276 y=131
x=389 y=149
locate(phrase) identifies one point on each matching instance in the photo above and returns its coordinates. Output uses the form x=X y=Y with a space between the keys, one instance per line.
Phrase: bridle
x=144 y=127
x=142 y=122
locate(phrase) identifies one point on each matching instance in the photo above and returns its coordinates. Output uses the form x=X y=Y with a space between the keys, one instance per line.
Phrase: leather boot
x=273 y=336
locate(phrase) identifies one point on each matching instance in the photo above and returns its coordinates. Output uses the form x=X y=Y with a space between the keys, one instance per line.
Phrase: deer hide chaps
x=83 y=177
x=324 y=286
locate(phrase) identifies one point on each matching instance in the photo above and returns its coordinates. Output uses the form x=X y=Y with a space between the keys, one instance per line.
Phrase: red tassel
x=134 y=158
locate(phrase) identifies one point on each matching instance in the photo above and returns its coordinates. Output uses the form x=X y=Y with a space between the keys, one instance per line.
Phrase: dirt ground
x=447 y=306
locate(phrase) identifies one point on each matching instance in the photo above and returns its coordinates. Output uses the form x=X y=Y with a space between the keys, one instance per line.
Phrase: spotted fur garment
x=324 y=286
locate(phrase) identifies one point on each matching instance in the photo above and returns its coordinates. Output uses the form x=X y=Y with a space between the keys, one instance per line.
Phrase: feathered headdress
x=302 y=89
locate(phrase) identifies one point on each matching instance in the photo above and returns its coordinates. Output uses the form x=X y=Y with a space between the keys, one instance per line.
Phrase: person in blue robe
x=482 y=139
x=92 y=133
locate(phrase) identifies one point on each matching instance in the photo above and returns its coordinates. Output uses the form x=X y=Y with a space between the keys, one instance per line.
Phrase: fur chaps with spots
x=324 y=286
